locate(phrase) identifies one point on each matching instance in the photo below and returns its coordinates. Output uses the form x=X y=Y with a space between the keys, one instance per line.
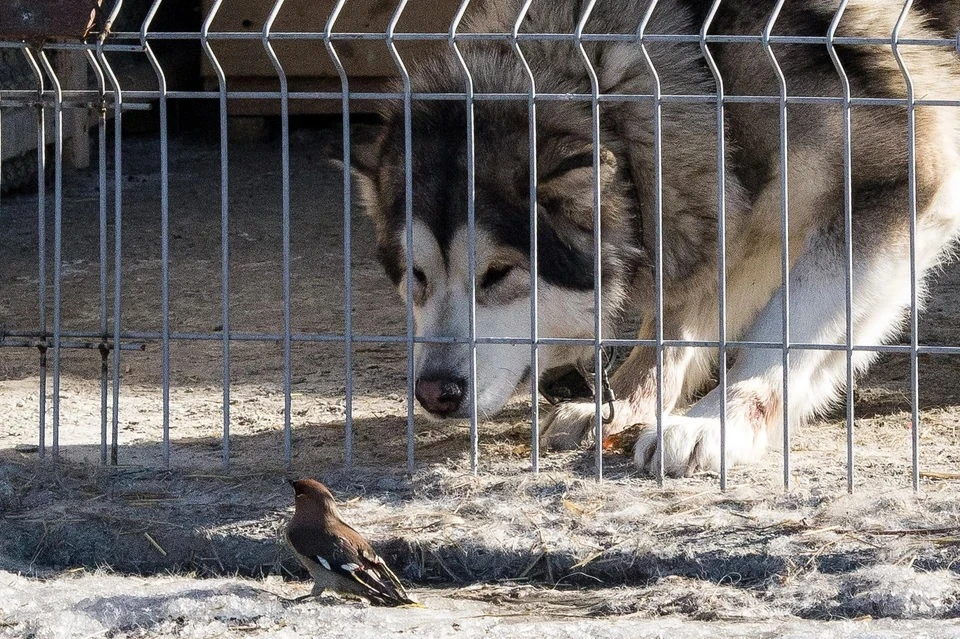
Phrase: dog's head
x=499 y=241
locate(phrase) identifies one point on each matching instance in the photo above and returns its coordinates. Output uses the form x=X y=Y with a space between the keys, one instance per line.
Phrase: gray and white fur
x=880 y=196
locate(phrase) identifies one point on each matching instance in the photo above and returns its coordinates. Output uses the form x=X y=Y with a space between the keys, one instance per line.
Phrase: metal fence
x=110 y=101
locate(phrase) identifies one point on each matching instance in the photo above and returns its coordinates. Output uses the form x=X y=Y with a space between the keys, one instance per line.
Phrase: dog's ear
x=566 y=182
x=365 y=152
x=367 y=146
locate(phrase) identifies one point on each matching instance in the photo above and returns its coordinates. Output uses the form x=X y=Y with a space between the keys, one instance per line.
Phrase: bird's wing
x=371 y=571
x=347 y=554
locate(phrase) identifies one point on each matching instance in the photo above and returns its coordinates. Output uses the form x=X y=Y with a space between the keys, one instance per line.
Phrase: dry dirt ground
x=498 y=554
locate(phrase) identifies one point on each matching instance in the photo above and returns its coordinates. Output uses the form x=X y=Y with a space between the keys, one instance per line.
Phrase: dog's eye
x=495 y=275
x=419 y=275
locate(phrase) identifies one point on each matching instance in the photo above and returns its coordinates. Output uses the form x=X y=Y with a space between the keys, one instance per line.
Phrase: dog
x=498 y=277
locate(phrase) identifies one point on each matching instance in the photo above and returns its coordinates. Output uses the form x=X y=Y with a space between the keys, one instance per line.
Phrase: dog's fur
x=880 y=197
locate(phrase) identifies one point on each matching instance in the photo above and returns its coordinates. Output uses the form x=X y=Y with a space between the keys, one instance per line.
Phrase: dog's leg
x=881 y=293
x=686 y=370
x=635 y=385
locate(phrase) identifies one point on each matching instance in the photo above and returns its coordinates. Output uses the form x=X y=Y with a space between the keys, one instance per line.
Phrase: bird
x=338 y=558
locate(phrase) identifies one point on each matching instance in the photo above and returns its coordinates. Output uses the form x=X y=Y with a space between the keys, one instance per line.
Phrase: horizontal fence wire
x=505 y=37
x=49 y=99
x=7 y=339
x=23 y=97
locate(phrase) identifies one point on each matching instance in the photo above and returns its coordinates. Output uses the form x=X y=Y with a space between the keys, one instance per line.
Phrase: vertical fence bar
x=657 y=227
x=785 y=231
x=224 y=223
x=117 y=223
x=848 y=229
x=721 y=240
x=912 y=183
x=597 y=240
x=102 y=198
x=534 y=306
x=41 y=246
x=1 y=156
x=164 y=231
x=285 y=203
x=57 y=240
x=347 y=227
x=408 y=221
x=471 y=234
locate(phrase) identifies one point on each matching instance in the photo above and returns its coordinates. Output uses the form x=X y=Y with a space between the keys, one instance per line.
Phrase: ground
x=502 y=553
x=191 y=608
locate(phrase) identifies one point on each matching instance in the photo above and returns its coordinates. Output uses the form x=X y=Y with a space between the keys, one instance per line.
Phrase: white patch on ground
x=101 y=604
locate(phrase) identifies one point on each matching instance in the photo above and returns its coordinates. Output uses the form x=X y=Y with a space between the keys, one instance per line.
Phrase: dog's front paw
x=569 y=425
x=692 y=444
x=572 y=424
x=689 y=445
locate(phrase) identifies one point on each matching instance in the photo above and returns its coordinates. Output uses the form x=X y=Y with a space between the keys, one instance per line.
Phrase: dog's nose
x=440 y=395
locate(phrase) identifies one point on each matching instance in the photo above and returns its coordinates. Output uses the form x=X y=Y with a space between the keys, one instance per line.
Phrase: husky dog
x=879 y=193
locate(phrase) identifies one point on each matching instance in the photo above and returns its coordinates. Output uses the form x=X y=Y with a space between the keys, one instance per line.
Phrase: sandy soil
x=686 y=551
x=379 y=369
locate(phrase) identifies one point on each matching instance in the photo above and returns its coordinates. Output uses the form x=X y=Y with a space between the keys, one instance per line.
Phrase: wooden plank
x=309 y=58
x=71 y=69
x=38 y=20
x=300 y=107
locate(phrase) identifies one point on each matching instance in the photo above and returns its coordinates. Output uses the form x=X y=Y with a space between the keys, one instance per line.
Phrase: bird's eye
x=419 y=276
x=495 y=275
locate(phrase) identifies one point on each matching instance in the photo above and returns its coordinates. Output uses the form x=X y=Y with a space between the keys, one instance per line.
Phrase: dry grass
x=559 y=540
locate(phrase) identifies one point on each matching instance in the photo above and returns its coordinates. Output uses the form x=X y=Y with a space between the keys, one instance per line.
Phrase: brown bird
x=338 y=558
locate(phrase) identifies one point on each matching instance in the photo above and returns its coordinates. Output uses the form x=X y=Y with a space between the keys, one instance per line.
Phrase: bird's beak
x=292 y=482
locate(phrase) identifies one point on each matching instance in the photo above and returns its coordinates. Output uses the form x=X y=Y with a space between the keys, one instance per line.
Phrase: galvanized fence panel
x=109 y=100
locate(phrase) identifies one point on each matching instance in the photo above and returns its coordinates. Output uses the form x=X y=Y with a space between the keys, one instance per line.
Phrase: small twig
x=819 y=552
x=213 y=476
x=577 y=509
x=31 y=519
x=216 y=555
x=40 y=543
x=815 y=531
x=153 y=542
x=574 y=574
x=677 y=514
x=938 y=474
x=589 y=558
x=287 y=570
x=533 y=563
x=586 y=560
x=864 y=541
x=914 y=531
x=436 y=557
x=694 y=496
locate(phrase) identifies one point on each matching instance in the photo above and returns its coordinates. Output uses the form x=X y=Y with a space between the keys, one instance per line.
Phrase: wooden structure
x=308 y=66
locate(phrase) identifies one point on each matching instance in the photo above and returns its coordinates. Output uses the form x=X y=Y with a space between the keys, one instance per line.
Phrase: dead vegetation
x=554 y=544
